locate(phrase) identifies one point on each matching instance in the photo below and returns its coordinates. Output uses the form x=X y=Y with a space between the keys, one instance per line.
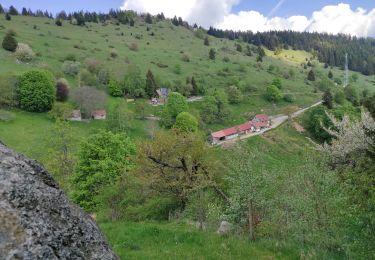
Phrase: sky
x=355 y=17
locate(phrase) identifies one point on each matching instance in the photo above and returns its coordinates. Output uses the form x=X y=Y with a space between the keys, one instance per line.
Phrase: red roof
x=100 y=113
x=225 y=132
x=262 y=117
x=245 y=127
x=260 y=124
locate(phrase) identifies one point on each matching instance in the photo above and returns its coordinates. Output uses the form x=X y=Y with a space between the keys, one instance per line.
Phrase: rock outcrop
x=37 y=221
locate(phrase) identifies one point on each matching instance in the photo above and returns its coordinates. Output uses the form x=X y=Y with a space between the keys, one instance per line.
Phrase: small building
x=259 y=122
x=99 y=115
x=75 y=116
x=162 y=94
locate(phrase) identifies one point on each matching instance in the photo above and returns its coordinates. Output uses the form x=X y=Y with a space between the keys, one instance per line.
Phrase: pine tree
x=330 y=75
x=150 y=85
x=311 y=75
x=1 y=9
x=13 y=10
x=328 y=99
x=195 y=90
x=148 y=18
x=9 y=42
x=212 y=54
x=25 y=12
x=206 y=41
x=8 y=17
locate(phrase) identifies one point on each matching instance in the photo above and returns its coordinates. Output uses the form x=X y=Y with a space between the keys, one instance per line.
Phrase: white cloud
x=334 y=19
x=202 y=12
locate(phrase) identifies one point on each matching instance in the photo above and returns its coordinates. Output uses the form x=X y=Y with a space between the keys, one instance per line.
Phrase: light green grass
x=179 y=241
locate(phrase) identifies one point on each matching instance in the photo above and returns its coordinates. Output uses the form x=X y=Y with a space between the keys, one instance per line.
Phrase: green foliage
x=134 y=84
x=234 y=95
x=277 y=82
x=101 y=161
x=37 y=91
x=60 y=111
x=114 y=88
x=273 y=93
x=330 y=74
x=120 y=118
x=289 y=98
x=71 y=68
x=314 y=121
x=9 y=42
x=186 y=122
x=325 y=85
x=206 y=41
x=328 y=99
x=176 y=104
x=150 y=87
x=340 y=97
x=215 y=108
x=212 y=54
x=370 y=105
x=311 y=76
x=352 y=95
x=88 y=79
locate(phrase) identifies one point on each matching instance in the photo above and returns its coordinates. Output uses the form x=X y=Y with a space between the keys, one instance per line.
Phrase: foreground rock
x=37 y=221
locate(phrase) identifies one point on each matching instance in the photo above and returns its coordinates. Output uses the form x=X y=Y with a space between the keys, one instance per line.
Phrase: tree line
x=328 y=48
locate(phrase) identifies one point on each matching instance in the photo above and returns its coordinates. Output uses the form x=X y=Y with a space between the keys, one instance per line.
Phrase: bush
x=93 y=65
x=234 y=95
x=62 y=89
x=103 y=76
x=273 y=93
x=113 y=54
x=71 y=68
x=289 y=98
x=339 y=97
x=24 y=53
x=70 y=57
x=277 y=82
x=185 y=58
x=37 y=91
x=8 y=17
x=61 y=111
x=88 y=78
x=133 y=47
x=114 y=88
x=58 y=22
x=9 y=42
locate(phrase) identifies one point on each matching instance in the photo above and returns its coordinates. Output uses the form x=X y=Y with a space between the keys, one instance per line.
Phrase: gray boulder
x=225 y=228
x=37 y=221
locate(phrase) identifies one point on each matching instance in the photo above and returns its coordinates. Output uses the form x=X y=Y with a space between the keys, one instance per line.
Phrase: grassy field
x=179 y=241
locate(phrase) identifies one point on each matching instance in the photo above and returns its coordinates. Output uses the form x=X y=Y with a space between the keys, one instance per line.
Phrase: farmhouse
x=259 y=122
x=76 y=116
x=99 y=115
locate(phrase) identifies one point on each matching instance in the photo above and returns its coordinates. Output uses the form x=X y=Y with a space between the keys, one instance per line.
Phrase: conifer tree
x=150 y=85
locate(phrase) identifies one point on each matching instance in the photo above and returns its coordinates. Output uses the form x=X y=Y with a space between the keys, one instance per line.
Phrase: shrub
x=277 y=82
x=133 y=47
x=88 y=78
x=234 y=95
x=61 y=111
x=103 y=76
x=185 y=58
x=9 y=42
x=113 y=54
x=8 y=17
x=93 y=65
x=226 y=59
x=212 y=54
x=58 y=22
x=24 y=53
x=339 y=97
x=37 y=91
x=177 y=69
x=62 y=89
x=273 y=93
x=70 y=57
x=71 y=68
x=114 y=88
x=289 y=98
